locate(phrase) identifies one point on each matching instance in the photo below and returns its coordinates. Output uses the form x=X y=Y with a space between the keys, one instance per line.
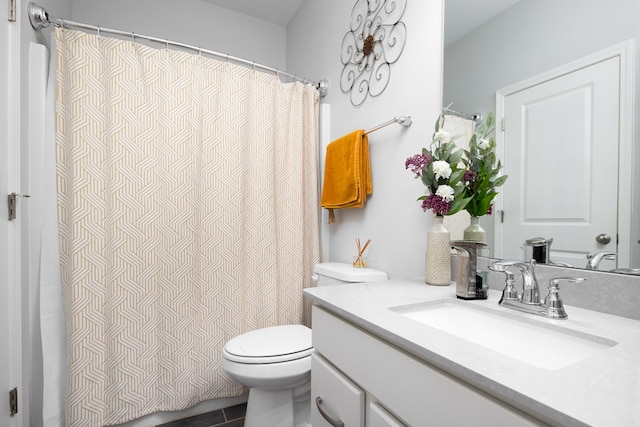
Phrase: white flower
x=483 y=144
x=445 y=192
x=441 y=169
x=442 y=136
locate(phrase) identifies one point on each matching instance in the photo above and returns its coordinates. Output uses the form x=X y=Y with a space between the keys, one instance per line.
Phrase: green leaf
x=456 y=177
x=456 y=156
x=491 y=121
x=458 y=205
x=448 y=149
x=426 y=178
x=500 y=181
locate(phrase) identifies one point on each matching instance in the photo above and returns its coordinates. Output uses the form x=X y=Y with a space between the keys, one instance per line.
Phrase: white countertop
x=603 y=390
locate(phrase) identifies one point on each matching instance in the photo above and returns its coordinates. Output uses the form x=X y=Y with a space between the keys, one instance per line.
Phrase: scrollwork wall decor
x=374 y=42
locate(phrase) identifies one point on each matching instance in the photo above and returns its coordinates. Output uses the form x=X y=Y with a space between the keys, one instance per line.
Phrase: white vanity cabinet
x=364 y=381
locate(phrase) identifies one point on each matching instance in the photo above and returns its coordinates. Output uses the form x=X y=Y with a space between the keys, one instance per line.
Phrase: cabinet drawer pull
x=332 y=421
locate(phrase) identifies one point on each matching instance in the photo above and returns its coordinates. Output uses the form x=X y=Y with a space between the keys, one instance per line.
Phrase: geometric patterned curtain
x=188 y=214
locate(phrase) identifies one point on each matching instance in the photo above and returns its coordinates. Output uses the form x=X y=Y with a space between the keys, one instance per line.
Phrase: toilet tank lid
x=348 y=273
x=270 y=342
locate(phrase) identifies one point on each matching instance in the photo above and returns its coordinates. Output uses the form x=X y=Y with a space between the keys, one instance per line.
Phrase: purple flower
x=437 y=203
x=469 y=176
x=417 y=163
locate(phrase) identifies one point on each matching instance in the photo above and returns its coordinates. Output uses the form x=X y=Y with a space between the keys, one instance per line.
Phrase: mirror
x=496 y=44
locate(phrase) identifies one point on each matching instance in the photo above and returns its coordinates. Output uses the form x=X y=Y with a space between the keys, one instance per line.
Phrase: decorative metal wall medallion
x=374 y=42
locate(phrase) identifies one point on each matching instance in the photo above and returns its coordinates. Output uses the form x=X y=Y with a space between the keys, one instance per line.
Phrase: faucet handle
x=553 y=302
x=509 y=292
x=502 y=265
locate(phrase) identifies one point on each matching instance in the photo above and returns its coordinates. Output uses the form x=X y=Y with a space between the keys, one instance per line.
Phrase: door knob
x=603 y=239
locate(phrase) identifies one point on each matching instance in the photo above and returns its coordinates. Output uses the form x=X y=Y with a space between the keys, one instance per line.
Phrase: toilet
x=275 y=362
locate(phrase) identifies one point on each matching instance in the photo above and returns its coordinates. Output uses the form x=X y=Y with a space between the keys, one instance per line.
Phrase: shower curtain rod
x=401 y=120
x=473 y=117
x=39 y=19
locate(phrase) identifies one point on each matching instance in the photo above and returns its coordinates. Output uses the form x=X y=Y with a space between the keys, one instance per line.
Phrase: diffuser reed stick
x=360 y=261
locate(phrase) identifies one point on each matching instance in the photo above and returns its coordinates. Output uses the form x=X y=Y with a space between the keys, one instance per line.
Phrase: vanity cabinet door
x=377 y=416
x=334 y=398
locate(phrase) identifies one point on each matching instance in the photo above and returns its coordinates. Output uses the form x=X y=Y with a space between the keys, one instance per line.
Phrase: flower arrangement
x=459 y=179
x=441 y=169
x=482 y=167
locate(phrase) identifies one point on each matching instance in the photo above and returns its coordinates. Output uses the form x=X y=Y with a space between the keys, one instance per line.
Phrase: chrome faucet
x=593 y=259
x=552 y=307
x=530 y=289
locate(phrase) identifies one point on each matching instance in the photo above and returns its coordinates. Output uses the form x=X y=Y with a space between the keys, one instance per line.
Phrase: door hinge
x=12 y=10
x=13 y=401
x=501 y=217
x=502 y=125
x=12 y=201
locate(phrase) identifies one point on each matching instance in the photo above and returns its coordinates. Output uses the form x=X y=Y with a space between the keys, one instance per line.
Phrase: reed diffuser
x=360 y=261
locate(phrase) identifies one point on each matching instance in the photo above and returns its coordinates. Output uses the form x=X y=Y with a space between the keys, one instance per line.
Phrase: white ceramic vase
x=438 y=256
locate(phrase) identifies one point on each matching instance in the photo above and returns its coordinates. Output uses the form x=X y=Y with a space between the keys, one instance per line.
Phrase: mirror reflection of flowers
x=481 y=177
x=441 y=169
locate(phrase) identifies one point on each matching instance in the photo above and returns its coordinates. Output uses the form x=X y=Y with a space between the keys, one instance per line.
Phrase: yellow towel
x=347 y=173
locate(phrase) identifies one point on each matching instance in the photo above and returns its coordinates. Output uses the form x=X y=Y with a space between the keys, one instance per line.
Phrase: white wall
x=535 y=36
x=391 y=218
x=192 y=22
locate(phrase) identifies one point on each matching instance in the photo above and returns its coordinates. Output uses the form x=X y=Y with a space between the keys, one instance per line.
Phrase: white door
x=561 y=155
x=9 y=312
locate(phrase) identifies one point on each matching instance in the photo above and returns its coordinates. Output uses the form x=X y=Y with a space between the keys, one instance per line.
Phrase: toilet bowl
x=275 y=362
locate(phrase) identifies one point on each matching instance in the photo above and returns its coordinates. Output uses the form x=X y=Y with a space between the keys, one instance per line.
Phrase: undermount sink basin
x=535 y=342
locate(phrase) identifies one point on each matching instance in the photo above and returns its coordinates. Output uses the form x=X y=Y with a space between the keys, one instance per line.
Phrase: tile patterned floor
x=227 y=417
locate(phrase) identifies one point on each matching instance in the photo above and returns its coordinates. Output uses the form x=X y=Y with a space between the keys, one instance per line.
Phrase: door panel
x=561 y=148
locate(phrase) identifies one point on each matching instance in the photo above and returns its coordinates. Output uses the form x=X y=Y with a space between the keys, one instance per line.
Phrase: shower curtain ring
x=133 y=37
x=98 y=31
x=167 y=41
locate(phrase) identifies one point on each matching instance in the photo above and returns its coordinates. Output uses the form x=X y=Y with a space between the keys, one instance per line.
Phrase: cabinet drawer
x=377 y=416
x=335 y=396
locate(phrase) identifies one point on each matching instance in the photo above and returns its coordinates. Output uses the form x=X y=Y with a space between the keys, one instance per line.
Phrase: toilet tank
x=336 y=273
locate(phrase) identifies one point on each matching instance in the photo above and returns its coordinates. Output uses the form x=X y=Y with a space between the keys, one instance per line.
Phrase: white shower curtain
x=188 y=214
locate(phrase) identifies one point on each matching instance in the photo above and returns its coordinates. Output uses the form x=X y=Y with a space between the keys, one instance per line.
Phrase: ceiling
x=461 y=16
x=277 y=12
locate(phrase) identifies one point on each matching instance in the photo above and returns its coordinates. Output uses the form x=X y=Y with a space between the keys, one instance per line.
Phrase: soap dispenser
x=469 y=284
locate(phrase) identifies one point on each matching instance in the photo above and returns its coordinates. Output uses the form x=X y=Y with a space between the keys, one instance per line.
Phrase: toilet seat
x=270 y=345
